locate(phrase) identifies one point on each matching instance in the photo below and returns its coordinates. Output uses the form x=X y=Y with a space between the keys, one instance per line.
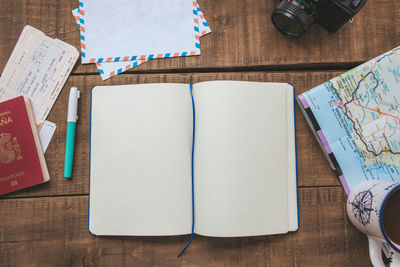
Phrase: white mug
x=370 y=208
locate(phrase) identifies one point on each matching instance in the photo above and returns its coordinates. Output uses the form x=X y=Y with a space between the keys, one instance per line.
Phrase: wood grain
x=52 y=231
x=313 y=168
x=242 y=36
x=46 y=225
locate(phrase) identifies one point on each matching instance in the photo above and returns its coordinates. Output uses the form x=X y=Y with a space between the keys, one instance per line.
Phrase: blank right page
x=241 y=158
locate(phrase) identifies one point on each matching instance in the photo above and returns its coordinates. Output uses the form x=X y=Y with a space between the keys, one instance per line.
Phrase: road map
x=356 y=119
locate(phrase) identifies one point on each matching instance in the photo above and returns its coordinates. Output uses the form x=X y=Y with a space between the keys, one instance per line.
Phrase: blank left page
x=140 y=165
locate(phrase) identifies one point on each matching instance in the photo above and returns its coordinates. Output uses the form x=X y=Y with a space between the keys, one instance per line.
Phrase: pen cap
x=74 y=95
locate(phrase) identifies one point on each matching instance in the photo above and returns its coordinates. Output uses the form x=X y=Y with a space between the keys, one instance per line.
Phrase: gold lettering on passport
x=12 y=176
x=5 y=121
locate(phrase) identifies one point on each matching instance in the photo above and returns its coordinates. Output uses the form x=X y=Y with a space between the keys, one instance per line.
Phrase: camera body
x=333 y=14
x=294 y=17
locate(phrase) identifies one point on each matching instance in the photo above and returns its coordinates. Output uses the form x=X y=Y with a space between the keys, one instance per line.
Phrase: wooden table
x=47 y=225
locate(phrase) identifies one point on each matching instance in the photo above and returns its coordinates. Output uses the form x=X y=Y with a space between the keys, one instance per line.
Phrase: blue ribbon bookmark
x=194 y=128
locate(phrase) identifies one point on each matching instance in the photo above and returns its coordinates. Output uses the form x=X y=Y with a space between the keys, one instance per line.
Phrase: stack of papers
x=122 y=34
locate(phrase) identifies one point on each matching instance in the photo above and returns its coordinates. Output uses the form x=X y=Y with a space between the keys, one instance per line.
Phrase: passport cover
x=22 y=162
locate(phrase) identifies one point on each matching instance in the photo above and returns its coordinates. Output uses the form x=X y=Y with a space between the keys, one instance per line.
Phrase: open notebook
x=244 y=159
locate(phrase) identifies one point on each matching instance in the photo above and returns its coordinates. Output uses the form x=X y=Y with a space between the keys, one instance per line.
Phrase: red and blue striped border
x=196 y=50
x=126 y=65
x=120 y=70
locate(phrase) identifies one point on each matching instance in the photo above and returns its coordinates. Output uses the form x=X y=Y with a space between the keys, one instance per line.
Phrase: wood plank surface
x=53 y=231
x=313 y=168
x=242 y=36
x=47 y=225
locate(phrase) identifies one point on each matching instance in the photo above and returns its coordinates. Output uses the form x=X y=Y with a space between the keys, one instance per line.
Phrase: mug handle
x=375 y=251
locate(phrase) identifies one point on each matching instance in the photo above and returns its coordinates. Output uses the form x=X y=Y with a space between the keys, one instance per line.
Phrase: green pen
x=74 y=95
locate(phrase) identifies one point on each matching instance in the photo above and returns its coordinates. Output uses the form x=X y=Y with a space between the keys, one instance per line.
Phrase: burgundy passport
x=22 y=162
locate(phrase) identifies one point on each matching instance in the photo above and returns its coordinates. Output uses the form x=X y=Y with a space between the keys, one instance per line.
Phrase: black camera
x=294 y=17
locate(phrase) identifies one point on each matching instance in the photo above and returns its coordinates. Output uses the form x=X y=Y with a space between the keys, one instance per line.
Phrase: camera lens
x=292 y=18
